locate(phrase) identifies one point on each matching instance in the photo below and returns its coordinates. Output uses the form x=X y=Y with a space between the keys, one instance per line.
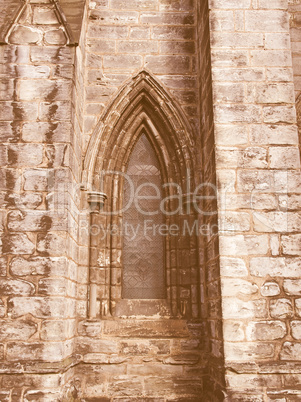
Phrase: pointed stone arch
x=141 y=101
x=143 y=107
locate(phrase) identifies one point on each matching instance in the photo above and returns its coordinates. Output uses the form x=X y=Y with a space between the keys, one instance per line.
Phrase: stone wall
x=226 y=72
x=39 y=164
x=258 y=161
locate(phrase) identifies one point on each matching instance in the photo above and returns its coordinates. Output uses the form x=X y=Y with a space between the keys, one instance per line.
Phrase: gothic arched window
x=142 y=158
x=143 y=246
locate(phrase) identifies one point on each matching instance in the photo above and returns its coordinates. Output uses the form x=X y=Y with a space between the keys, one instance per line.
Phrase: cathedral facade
x=150 y=196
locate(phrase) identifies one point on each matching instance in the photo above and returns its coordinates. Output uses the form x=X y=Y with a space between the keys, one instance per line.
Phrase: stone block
x=54 y=330
x=276 y=222
x=277 y=40
x=296 y=329
x=107 y=32
x=270 y=58
x=266 y=20
x=51 y=54
x=179 y=81
x=274 y=93
x=234 y=308
x=48 y=90
x=35 y=221
x=102 y=94
x=279 y=74
x=222 y=20
x=17 y=244
x=103 y=346
x=53 y=112
x=7 y=88
x=269 y=289
x=298 y=307
x=2 y=308
x=146 y=328
x=278 y=266
x=243 y=245
x=272 y=134
x=237 y=113
x=180 y=5
x=237 y=287
x=248 y=351
x=40 y=307
x=279 y=114
x=100 y=46
x=9 y=132
x=237 y=39
x=3 y=266
x=38 y=180
x=281 y=308
x=159 y=18
x=122 y=62
x=34 y=351
x=233 y=267
x=46 y=131
x=44 y=16
x=171 y=33
x=250 y=382
x=10 y=287
x=266 y=330
x=52 y=243
x=55 y=37
x=291 y=244
x=23 y=35
x=18 y=111
x=233 y=331
x=238 y=74
x=275 y=4
x=230 y=58
x=17 y=330
x=235 y=157
x=229 y=4
x=91 y=329
x=135 y=4
x=284 y=158
x=141 y=46
x=228 y=92
x=140 y=32
x=52 y=286
x=290 y=351
x=41 y=395
x=168 y=64
x=62 y=71
x=174 y=47
x=114 y=17
x=125 y=385
x=292 y=287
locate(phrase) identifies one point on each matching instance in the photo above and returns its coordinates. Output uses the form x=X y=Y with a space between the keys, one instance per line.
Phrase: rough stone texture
x=214 y=85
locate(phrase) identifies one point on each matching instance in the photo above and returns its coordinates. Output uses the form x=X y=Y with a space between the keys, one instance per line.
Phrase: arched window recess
x=143 y=260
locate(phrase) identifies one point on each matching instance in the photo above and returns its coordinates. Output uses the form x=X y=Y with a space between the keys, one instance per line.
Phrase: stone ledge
x=146 y=328
x=264 y=368
x=40 y=367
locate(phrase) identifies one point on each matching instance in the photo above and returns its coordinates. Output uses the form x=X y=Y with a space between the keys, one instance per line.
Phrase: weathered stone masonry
x=215 y=86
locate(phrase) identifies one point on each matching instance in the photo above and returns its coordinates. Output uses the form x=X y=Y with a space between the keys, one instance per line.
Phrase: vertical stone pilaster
x=258 y=164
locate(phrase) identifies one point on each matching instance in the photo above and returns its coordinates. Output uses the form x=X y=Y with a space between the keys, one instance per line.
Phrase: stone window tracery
x=143 y=134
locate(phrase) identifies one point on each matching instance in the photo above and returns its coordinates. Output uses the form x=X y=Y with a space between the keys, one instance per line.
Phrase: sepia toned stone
x=215 y=87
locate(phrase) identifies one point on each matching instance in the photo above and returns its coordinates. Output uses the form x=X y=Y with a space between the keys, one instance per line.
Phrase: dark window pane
x=143 y=247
